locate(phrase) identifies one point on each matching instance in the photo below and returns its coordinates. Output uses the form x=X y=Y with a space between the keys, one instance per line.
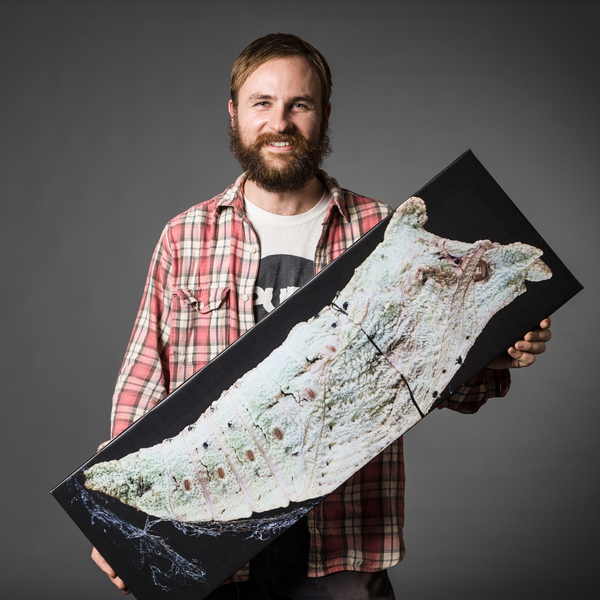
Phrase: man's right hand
x=97 y=558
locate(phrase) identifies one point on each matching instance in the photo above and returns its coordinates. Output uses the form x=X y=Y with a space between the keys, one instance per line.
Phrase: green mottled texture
x=333 y=395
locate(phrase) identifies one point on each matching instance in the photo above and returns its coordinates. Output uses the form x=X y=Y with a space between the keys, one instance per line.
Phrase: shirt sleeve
x=143 y=380
x=489 y=383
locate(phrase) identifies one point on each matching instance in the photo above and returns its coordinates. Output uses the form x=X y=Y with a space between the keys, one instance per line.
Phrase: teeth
x=280 y=144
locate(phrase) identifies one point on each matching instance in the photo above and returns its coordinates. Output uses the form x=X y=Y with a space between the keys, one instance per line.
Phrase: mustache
x=297 y=141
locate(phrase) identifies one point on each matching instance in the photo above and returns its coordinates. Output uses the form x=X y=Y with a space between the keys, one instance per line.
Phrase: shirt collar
x=234 y=195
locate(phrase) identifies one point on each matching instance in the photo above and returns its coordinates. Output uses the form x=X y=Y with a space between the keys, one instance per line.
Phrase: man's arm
x=144 y=378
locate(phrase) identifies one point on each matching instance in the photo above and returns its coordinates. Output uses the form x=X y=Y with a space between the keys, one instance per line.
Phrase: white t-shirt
x=287 y=252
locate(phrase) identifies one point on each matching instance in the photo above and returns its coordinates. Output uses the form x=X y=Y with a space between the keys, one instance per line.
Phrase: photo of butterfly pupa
x=340 y=388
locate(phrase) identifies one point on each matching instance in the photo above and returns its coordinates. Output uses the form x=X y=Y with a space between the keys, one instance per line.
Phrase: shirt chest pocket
x=199 y=330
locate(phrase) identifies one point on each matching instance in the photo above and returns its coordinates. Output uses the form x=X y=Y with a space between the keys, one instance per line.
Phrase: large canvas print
x=435 y=292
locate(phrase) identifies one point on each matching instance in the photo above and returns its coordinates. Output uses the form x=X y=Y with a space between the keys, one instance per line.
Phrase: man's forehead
x=290 y=76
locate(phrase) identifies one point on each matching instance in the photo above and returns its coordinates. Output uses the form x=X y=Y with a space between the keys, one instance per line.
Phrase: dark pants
x=279 y=573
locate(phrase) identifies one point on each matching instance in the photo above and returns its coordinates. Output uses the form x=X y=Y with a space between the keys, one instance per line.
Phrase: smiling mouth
x=280 y=144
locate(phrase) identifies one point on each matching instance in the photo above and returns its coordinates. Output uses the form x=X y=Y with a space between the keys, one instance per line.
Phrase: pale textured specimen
x=341 y=387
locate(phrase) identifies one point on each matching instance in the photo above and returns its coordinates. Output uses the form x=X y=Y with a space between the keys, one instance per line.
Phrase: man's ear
x=232 y=111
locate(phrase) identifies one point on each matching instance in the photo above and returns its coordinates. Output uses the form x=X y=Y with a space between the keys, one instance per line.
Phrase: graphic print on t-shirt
x=279 y=276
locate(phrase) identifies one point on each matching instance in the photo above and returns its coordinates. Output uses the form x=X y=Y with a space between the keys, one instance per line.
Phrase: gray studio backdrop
x=114 y=120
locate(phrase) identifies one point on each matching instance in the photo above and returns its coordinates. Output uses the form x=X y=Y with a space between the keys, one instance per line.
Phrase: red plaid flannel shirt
x=198 y=299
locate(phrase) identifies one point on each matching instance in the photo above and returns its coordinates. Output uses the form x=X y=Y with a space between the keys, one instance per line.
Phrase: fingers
x=531 y=347
x=545 y=324
x=524 y=351
x=542 y=333
x=106 y=568
x=520 y=359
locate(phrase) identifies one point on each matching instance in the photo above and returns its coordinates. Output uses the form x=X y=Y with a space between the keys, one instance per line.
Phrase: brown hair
x=279 y=45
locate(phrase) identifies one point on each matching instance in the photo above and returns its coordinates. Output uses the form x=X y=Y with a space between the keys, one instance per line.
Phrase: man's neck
x=285 y=203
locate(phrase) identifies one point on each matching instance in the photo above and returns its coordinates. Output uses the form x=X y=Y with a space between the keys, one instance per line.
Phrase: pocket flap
x=203 y=300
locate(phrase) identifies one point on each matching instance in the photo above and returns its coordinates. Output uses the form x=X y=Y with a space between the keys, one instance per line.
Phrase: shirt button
x=254 y=249
x=201 y=304
x=245 y=298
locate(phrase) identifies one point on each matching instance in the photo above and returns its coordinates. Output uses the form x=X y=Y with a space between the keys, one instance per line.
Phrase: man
x=225 y=263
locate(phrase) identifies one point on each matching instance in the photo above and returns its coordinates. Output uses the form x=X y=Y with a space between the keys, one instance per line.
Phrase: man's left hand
x=523 y=353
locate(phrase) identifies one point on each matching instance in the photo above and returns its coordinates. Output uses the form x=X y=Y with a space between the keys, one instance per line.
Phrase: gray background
x=113 y=120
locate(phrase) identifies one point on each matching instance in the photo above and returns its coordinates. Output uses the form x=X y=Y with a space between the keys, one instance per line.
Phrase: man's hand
x=522 y=354
x=97 y=558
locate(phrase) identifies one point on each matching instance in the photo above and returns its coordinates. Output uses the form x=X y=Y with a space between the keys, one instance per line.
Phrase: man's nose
x=281 y=120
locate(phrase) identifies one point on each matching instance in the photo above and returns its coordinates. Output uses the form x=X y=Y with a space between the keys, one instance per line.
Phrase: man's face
x=279 y=128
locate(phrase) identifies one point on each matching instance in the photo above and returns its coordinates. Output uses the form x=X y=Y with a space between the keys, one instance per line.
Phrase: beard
x=298 y=167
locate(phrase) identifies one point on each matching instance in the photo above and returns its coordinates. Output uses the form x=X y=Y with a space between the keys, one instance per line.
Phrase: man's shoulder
x=362 y=203
x=206 y=211
x=357 y=206
x=200 y=212
x=364 y=212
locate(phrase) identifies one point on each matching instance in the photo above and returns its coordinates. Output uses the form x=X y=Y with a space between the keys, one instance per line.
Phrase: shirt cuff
x=469 y=398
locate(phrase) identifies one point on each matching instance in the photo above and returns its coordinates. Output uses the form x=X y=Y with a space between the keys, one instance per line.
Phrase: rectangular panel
x=378 y=338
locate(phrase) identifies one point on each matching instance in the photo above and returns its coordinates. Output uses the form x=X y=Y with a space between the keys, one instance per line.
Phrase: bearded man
x=224 y=264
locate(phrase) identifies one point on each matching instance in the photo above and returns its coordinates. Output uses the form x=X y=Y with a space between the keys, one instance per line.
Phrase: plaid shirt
x=199 y=298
